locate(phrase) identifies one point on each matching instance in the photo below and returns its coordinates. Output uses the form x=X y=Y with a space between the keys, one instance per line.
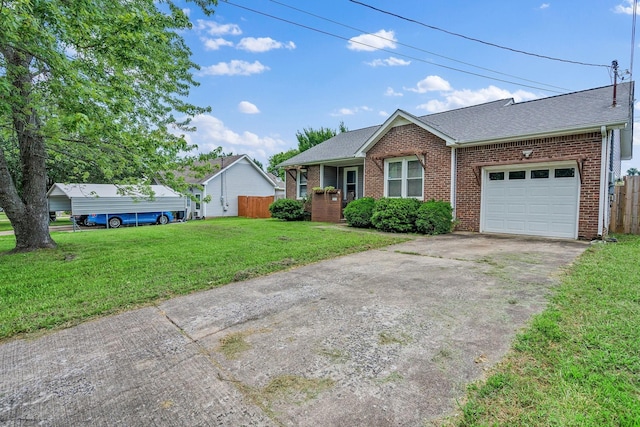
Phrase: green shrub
x=395 y=215
x=434 y=217
x=358 y=212
x=287 y=209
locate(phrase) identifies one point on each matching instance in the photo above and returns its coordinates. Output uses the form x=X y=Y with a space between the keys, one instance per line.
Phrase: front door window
x=350 y=183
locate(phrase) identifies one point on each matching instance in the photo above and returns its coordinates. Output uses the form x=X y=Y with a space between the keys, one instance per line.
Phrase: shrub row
x=386 y=214
x=287 y=209
x=400 y=215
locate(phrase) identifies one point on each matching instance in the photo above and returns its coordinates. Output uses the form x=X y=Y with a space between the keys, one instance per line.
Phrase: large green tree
x=306 y=139
x=88 y=88
x=278 y=158
x=311 y=137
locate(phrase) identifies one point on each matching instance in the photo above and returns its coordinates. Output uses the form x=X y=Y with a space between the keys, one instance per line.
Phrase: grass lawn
x=100 y=271
x=578 y=364
x=5 y=225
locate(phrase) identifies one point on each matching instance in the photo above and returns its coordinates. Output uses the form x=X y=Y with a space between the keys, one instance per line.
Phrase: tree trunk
x=29 y=212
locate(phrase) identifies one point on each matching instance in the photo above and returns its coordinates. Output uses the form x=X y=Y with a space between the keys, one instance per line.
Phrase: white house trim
x=453 y=181
x=604 y=196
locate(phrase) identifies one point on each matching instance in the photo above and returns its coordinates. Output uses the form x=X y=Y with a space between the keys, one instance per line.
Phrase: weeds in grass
x=233 y=344
x=387 y=338
x=287 y=389
x=408 y=253
x=334 y=354
x=392 y=377
x=292 y=388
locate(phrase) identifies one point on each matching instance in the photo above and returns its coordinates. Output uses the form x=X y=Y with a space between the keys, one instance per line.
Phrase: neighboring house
x=544 y=167
x=87 y=199
x=279 y=185
x=231 y=176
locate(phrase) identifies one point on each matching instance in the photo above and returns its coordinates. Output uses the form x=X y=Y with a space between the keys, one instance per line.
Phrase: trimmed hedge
x=287 y=209
x=358 y=212
x=434 y=217
x=395 y=215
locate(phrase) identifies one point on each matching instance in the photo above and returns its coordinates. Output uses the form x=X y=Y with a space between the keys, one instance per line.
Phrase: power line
x=475 y=39
x=389 y=51
x=414 y=47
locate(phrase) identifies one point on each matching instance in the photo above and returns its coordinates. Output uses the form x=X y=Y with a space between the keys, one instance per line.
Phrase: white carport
x=86 y=199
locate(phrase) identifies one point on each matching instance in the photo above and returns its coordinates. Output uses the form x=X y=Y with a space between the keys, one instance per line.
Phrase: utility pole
x=614 y=67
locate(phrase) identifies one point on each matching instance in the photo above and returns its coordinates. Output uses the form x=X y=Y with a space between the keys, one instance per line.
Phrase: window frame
x=404 y=178
x=300 y=173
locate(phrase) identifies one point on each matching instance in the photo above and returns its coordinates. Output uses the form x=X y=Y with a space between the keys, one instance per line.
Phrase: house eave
x=538 y=135
x=400 y=118
x=339 y=161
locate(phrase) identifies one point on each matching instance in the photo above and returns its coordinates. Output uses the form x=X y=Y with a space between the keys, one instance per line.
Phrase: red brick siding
x=291 y=187
x=290 y=176
x=437 y=175
x=589 y=145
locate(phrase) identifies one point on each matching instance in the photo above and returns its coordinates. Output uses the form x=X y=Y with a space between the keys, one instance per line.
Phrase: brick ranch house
x=544 y=167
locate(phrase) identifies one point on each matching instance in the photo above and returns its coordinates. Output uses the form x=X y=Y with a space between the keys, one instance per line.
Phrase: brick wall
x=589 y=145
x=291 y=185
x=437 y=174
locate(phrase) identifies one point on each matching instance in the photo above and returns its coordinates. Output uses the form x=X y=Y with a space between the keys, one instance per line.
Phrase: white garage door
x=538 y=201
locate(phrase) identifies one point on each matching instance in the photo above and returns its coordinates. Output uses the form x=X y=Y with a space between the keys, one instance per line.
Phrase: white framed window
x=301 y=182
x=403 y=177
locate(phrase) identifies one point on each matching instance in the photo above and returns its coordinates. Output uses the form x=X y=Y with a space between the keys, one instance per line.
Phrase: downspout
x=453 y=182
x=603 y=181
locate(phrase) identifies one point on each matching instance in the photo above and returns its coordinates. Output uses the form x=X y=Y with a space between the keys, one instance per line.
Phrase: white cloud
x=351 y=111
x=212 y=133
x=369 y=42
x=389 y=62
x=383 y=114
x=248 y=108
x=467 y=97
x=429 y=84
x=234 y=68
x=215 y=29
x=263 y=44
x=215 y=44
x=391 y=92
x=186 y=11
x=626 y=7
x=544 y=6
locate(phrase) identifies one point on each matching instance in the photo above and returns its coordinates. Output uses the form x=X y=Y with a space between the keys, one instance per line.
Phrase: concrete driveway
x=384 y=337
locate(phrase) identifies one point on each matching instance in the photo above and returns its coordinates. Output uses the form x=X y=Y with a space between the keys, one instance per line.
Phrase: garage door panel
x=515 y=226
x=541 y=207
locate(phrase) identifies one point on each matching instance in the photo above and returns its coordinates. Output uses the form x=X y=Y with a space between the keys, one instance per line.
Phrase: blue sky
x=323 y=62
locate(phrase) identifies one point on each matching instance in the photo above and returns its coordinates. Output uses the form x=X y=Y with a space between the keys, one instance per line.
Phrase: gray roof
x=498 y=120
x=342 y=146
x=506 y=120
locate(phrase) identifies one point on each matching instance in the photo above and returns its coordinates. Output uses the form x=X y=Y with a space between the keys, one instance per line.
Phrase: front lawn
x=99 y=271
x=578 y=364
x=5 y=225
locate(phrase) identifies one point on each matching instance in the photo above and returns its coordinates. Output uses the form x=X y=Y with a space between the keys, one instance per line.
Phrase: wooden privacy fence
x=254 y=206
x=625 y=207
